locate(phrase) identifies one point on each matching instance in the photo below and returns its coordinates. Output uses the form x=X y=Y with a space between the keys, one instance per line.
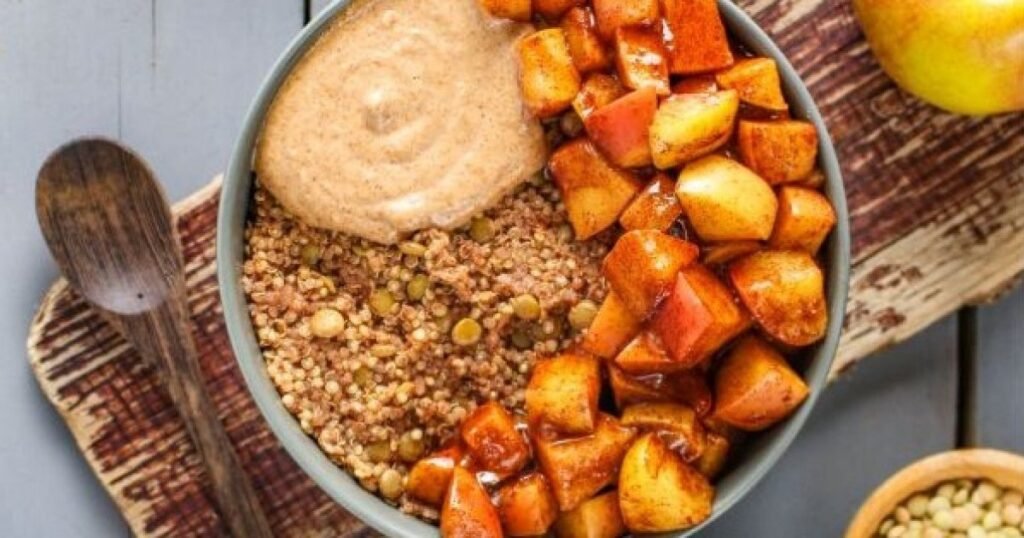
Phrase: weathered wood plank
x=999 y=384
x=868 y=425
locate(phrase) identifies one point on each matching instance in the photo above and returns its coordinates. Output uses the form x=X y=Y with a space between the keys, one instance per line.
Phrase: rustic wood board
x=937 y=208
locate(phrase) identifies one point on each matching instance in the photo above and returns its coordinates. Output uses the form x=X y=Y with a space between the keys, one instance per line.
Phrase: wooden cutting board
x=937 y=209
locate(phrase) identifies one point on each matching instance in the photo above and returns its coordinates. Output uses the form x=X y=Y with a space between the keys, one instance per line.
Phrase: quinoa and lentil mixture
x=380 y=351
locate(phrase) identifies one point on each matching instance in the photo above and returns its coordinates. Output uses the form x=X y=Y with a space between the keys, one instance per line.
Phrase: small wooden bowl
x=1003 y=468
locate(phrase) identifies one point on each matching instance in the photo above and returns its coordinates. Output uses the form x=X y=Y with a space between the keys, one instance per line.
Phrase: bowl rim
x=336 y=482
x=1004 y=468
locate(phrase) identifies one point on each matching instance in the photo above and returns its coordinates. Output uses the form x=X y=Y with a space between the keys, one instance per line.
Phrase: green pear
x=965 y=56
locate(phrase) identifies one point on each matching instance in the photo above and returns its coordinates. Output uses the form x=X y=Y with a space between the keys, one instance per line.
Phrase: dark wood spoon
x=108 y=224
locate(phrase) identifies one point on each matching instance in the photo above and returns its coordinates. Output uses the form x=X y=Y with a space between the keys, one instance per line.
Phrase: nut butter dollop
x=405 y=114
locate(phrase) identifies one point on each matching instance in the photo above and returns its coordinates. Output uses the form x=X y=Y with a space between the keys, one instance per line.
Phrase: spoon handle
x=163 y=334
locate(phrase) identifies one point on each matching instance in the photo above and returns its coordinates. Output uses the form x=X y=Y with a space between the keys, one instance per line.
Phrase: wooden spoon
x=108 y=224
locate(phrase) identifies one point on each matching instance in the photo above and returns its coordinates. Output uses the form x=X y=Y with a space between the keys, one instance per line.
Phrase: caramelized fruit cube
x=779 y=151
x=562 y=393
x=658 y=492
x=517 y=10
x=579 y=467
x=598 y=517
x=656 y=208
x=614 y=14
x=526 y=506
x=598 y=90
x=727 y=251
x=547 y=76
x=755 y=386
x=467 y=508
x=696 y=84
x=642 y=266
x=588 y=53
x=429 y=479
x=594 y=191
x=493 y=441
x=640 y=58
x=726 y=201
x=646 y=355
x=785 y=292
x=677 y=424
x=715 y=455
x=621 y=129
x=757 y=82
x=804 y=221
x=613 y=327
x=688 y=126
x=699 y=42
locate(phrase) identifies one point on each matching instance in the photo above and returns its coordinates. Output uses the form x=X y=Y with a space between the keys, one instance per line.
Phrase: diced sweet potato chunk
x=699 y=42
x=517 y=10
x=688 y=126
x=755 y=386
x=429 y=478
x=715 y=455
x=493 y=441
x=467 y=509
x=676 y=424
x=785 y=292
x=614 y=14
x=579 y=467
x=588 y=53
x=804 y=221
x=598 y=90
x=779 y=151
x=553 y=9
x=727 y=251
x=646 y=355
x=547 y=76
x=562 y=393
x=726 y=201
x=696 y=84
x=656 y=208
x=598 y=517
x=658 y=492
x=698 y=317
x=526 y=506
x=594 y=191
x=757 y=82
x=640 y=58
x=642 y=266
x=621 y=129
x=613 y=327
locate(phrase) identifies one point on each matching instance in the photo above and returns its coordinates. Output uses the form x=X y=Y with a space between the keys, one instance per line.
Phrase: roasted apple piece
x=658 y=492
x=629 y=390
x=640 y=58
x=804 y=221
x=727 y=251
x=656 y=208
x=779 y=151
x=526 y=506
x=642 y=266
x=547 y=76
x=688 y=126
x=598 y=517
x=612 y=328
x=579 y=467
x=755 y=386
x=429 y=478
x=621 y=129
x=467 y=508
x=691 y=389
x=698 y=317
x=726 y=201
x=562 y=393
x=756 y=80
x=699 y=42
x=646 y=355
x=594 y=191
x=598 y=90
x=588 y=53
x=553 y=9
x=614 y=14
x=688 y=388
x=517 y=10
x=493 y=441
x=785 y=292
x=715 y=455
x=676 y=424
x=696 y=84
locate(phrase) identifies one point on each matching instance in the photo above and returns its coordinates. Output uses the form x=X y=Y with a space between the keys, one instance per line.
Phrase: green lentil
x=481 y=229
x=310 y=254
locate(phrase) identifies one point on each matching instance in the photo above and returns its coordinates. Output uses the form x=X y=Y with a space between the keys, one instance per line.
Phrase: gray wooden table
x=173 y=79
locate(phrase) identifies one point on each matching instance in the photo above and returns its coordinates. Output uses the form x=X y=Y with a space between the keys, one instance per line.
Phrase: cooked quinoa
x=381 y=351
